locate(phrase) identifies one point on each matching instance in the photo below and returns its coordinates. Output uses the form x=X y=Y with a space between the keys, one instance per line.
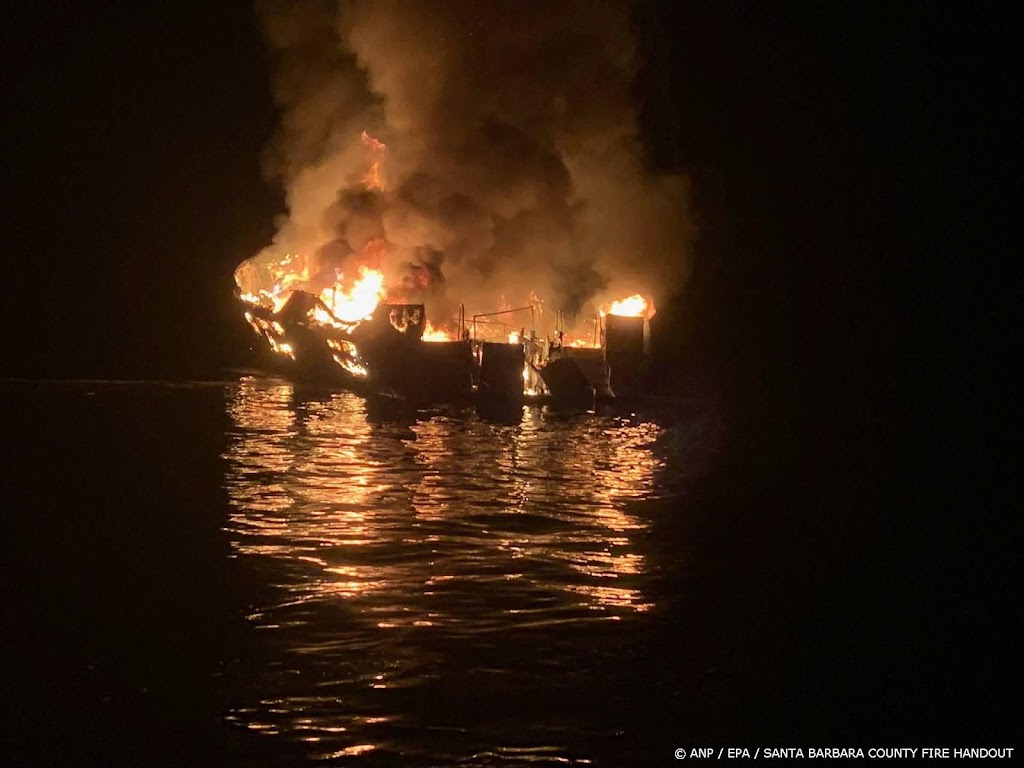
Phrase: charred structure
x=626 y=345
x=391 y=352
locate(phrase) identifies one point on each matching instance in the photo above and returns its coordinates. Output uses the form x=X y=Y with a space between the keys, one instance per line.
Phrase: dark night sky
x=136 y=138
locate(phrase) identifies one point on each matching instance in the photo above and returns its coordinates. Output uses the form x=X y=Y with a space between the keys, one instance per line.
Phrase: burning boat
x=343 y=314
x=352 y=336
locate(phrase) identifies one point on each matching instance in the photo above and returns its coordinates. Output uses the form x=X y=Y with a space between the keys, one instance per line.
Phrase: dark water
x=245 y=572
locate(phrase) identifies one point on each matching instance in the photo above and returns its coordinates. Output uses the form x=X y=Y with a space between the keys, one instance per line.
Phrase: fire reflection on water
x=384 y=543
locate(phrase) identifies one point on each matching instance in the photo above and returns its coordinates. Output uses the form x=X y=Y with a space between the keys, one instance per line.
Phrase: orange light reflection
x=396 y=529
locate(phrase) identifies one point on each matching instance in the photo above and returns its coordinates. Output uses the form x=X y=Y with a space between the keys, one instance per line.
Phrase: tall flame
x=358 y=301
x=373 y=178
x=341 y=305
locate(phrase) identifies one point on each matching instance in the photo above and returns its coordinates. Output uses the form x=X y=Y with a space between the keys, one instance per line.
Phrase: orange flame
x=632 y=306
x=374 y=145
x=431 y=333
x=357 y=302
x=349 y=300
x=289 y=274
x=373 y=178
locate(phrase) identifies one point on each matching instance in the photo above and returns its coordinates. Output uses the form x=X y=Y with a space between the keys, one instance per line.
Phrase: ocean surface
x=249 y=572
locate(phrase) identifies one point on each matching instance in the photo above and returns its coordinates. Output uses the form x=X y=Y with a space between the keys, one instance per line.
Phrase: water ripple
x=414 y=568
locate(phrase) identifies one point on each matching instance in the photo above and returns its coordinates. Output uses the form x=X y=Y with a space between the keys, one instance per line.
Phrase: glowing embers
x=532 y=384
x=404 y=318
x=282 y=348
x=352 y=367
x=273 y=331
x=632 y=306
x=346 y=356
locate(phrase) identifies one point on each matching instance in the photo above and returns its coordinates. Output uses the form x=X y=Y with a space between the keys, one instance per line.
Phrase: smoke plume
x=473 y=151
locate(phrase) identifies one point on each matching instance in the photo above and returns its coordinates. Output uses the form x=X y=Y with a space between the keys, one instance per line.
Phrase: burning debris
x=459 y=157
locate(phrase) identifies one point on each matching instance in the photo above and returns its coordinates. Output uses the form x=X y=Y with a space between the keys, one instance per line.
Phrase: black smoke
x=512 y=165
